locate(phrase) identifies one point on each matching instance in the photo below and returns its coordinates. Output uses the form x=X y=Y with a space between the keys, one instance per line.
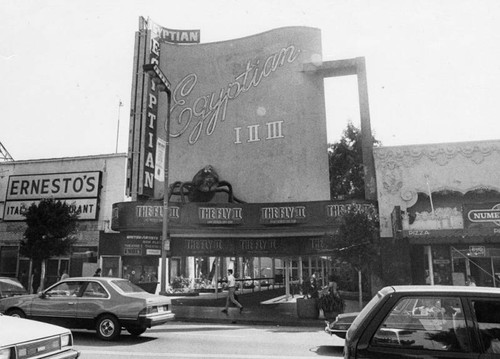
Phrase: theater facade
x=248 y=185
x=233 y=134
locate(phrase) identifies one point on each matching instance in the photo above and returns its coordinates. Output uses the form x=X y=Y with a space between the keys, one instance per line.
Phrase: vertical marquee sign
x=145 y=155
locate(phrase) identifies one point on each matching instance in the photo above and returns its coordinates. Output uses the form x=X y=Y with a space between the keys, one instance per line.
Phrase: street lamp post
x=163 y=85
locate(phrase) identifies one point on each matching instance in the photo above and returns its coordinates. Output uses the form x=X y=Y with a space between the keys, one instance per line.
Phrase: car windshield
x=127 y=287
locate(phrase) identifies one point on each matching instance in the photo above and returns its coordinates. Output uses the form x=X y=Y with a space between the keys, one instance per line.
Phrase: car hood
x=18 y=330
x=16 y=300
x=23 y=298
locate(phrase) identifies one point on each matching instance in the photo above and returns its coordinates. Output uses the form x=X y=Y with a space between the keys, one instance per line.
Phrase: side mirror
x=42 y=295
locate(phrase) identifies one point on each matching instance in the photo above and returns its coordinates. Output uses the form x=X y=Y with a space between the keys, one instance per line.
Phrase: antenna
x=120 y=104
x=4 y=154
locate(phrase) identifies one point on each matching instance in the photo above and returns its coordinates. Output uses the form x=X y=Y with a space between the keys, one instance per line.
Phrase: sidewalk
x=206 y=308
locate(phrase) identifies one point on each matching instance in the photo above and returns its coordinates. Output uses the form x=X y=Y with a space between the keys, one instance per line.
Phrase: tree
x=346 y=165
x=357 y=240
x=50 y=228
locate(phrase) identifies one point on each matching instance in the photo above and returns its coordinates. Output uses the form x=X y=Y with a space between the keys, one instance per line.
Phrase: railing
x=269 y=283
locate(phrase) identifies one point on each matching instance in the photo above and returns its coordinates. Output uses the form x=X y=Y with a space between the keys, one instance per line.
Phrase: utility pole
x=163 y=84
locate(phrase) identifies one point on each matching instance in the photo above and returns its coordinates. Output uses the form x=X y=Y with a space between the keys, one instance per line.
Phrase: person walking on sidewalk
x=231 y=283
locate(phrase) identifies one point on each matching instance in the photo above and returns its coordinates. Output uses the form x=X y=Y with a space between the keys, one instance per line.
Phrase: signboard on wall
x=483 y=218
x=247 y=108
x=255 y=247
x=80 y=190
x=280 y=217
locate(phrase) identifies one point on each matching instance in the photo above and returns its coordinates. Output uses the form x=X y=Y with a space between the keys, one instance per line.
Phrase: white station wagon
x=25 y=339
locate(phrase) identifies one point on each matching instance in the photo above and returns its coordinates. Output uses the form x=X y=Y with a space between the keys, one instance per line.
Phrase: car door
x=486 y=318
x=57 y=304
x=95 y=299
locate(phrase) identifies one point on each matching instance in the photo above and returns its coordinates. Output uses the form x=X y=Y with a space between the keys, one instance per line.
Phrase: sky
x=433 y=66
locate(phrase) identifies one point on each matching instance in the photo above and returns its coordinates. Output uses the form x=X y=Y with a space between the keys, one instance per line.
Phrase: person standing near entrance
x=65 y=275
x=231 y=283
x=470 y=281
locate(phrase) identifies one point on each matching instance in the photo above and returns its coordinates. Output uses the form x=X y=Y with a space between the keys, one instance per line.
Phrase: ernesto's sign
x=79 y=189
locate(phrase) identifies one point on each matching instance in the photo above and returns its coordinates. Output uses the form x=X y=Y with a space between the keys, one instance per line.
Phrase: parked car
x=23 y=338
x=427 y=322
x=338 y=328
x=103 y=304
x=10 y=287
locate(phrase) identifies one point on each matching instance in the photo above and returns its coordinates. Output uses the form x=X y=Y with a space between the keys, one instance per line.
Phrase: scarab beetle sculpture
x=203 y=187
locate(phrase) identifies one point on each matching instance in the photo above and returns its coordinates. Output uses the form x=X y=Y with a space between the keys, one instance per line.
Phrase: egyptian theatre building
x=230 y=138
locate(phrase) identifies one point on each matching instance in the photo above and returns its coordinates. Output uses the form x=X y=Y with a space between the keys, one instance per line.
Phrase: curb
x=249 y=322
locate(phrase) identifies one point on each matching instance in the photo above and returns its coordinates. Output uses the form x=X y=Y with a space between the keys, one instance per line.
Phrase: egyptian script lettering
x=210 y=109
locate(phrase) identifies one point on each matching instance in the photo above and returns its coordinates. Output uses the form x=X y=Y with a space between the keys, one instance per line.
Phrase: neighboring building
x=439 y=207
x=90 y=183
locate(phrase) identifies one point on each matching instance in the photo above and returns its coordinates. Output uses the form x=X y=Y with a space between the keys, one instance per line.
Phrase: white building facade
x=90 y=184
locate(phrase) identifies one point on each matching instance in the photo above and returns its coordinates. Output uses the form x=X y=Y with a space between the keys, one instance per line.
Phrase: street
x=195 y=340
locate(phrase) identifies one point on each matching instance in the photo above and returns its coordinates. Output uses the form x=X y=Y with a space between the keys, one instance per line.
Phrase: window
x=488 y=321
x=8 y=261
x=94 y=290
x=430 y=323
x=66 y=289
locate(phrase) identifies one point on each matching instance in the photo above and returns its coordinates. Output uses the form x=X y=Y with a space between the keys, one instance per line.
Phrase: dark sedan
x=338 y=328
x=102 y=304
x=427 y=322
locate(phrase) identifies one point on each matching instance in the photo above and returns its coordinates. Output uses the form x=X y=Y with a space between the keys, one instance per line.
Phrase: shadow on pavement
x=326 y=350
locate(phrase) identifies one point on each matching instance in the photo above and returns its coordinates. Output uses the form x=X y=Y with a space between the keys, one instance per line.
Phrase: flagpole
x=430 y=193
x=120 y=104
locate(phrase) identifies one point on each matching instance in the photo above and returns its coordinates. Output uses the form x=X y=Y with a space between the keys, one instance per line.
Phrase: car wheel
x=108 y=327
x=16 y=313
x=136 y=331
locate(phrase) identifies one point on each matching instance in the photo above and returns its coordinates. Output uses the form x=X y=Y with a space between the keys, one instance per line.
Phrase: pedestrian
x=231 y=283
x=65 y=275
x=97 y=272
x=35 y=280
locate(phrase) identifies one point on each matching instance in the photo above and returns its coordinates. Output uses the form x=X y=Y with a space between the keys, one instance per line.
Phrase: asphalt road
x=192 y=340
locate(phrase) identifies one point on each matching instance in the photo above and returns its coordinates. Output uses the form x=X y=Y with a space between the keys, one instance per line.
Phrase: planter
x=208 y=290
x=149 y=287
x=182 y=294
x=307 y=308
